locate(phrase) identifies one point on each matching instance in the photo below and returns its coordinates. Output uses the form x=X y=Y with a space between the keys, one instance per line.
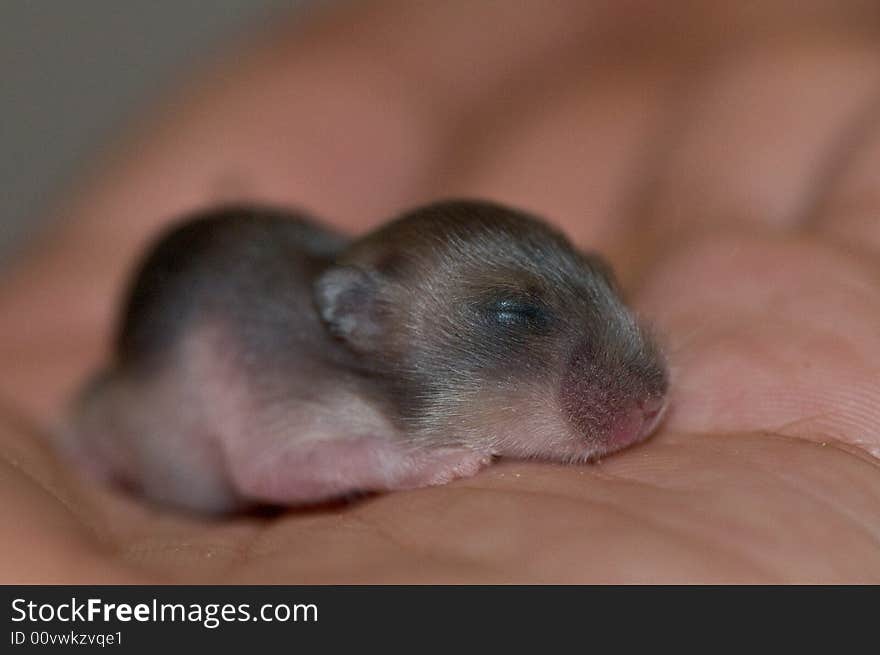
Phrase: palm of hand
x=766 y=468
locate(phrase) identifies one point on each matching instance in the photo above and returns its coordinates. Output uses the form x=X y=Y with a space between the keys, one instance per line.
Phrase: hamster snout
x=637 y=424
x=614 y=389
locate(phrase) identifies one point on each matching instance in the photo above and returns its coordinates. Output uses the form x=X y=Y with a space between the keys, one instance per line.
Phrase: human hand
x=728 y=174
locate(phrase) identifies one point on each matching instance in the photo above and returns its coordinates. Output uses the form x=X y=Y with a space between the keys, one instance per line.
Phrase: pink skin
x=638 y=424
x=335 y=468
x=332 y=468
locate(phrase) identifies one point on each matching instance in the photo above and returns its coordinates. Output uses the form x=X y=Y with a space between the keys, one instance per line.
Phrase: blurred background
x=72 y=73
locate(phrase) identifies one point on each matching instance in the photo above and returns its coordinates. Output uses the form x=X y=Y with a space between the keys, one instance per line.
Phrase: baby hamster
x=263 y=358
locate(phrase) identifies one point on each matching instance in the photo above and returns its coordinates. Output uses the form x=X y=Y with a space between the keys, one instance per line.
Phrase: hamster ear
x=346 y=297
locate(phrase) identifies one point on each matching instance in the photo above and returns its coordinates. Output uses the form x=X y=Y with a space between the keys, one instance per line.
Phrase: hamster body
x=262 y=358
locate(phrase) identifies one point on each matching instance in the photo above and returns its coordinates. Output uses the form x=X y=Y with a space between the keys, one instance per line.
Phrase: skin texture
x=727 y=163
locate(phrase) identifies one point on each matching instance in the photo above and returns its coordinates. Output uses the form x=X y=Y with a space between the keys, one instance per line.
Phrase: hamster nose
x=638 y=423
x=653 y=410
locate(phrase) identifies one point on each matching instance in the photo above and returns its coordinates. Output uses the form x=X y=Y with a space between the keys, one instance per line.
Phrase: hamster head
x=489 y=329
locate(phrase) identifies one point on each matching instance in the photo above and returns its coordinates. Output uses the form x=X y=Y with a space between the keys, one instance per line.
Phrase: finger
x=631 y=160
x=756 y=134
x=849 y=211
